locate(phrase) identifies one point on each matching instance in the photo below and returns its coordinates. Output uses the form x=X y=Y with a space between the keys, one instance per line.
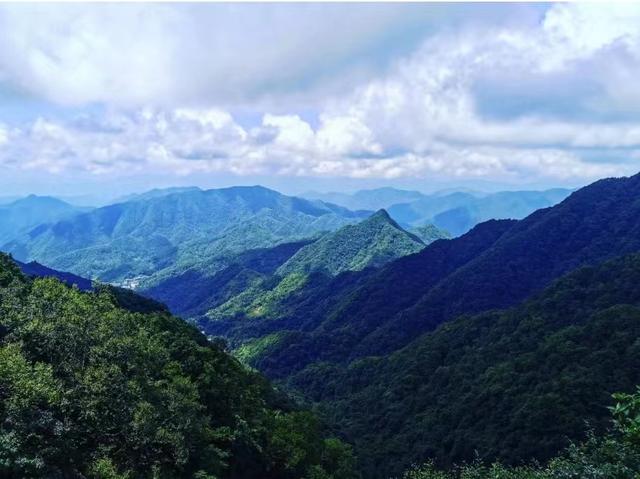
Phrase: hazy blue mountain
x=21 y=215
x=156 y=193
x=177 y=230
x=458 y=212
x=374 y=199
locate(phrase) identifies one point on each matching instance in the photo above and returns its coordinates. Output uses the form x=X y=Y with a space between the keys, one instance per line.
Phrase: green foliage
x=88 y=389
x=510 y=385
x=615 y=455
x=371 y=243
x=175 y=232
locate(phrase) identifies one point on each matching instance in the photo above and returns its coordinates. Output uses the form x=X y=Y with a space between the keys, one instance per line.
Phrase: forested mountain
x=186 y=228
x=260 y=282
x=458 y=212
x=88 y=389
x=21 y=215
x=371 y=243
x=429 y=233
x=421 y=291
x=323 y=331
x=512 y=385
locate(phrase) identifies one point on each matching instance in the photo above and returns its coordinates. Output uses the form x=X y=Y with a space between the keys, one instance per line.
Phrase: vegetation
x=177 y=231
x=613 y=456
x=370 y=243
x=88 y=389
x=511 y=385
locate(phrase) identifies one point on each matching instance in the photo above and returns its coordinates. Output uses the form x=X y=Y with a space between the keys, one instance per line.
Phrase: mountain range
x=21 y=215
x=492 y=340
x=141 y=237
x=319 y=340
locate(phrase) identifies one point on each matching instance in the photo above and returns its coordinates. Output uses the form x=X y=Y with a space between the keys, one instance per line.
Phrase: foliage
x=88 y=389
x=176 y=231
x=508 y=385
x=615 y=455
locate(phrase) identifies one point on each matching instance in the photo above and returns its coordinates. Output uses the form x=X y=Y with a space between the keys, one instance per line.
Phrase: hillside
x=594 y=224
x=261 y=277
x=21 y=215
x=91 y=390
x=510 y=385
x=370 y=243
x=182 y=229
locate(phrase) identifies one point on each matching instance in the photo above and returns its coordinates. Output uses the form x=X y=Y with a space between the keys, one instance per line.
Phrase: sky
x=105 y=99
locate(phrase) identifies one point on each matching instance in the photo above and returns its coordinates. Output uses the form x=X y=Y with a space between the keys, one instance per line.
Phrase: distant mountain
x=197 y=290
x=458 y=212
x=512 y=385
x=176 y=230
x=21 y=215
x=156 y=193
x=374 y=199
x=371 y=243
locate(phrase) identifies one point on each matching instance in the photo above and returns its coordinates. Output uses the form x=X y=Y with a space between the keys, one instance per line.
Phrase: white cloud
x=423 y=116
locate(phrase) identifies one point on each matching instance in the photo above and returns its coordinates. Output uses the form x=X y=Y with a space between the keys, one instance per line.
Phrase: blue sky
x=112 y=98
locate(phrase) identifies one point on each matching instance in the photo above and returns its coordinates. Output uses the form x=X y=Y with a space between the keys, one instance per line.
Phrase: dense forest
x=89 y=389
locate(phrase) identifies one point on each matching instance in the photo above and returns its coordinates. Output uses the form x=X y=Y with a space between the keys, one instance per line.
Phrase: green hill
x=371 y=243
x=511 y=385
x=88 y=389
x=176 y=230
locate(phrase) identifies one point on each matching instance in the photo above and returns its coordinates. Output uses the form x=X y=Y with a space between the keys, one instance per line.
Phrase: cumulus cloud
x=532 y=99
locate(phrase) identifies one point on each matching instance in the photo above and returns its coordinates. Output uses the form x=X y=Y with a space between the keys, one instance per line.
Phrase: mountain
x=194 y=292
x=413 y=316
x=374 y=199
x=496 y=265
x=512 y=385
x=458 y=212
x=371 y=243
x=36 y=270
x=257 y=280
x=89 y=389
x=124 y=241
x=156 y=193
x=19 y=216
x=429 y=233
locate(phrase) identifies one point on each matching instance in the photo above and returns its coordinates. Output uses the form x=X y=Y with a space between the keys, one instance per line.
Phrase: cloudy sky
x=97 y=98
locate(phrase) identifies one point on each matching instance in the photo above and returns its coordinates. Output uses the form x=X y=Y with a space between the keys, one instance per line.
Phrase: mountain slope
x=90 y=390
x=510 y=385
x=21 y=215
x=370 y=243
x=183 y=229
x=496 y=265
